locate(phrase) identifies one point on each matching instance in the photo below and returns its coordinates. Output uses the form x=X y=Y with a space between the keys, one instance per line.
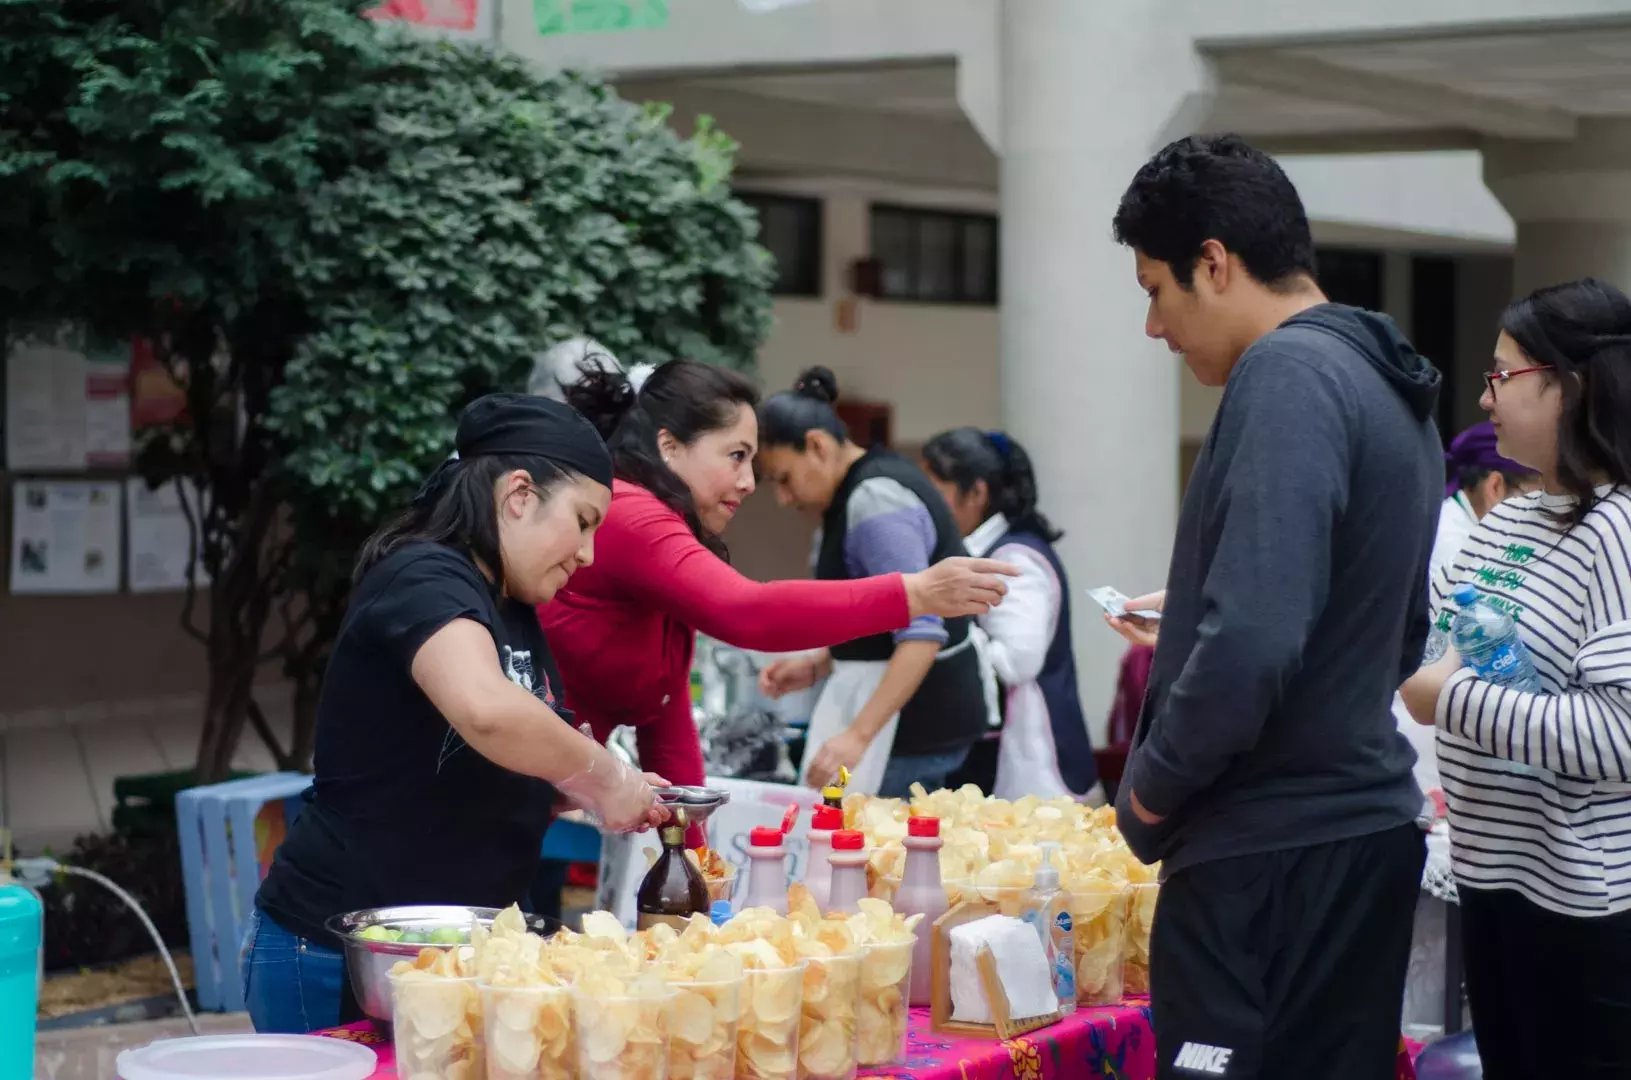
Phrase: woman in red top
x=623 y=629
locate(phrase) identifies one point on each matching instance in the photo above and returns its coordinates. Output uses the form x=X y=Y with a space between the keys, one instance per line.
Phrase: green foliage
x=149 y=151
x=336 y=236
x=493 y=212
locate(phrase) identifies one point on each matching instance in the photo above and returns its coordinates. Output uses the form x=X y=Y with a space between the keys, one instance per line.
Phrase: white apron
x=848 y=689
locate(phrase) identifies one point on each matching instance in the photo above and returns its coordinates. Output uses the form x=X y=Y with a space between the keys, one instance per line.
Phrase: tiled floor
x=57 y=770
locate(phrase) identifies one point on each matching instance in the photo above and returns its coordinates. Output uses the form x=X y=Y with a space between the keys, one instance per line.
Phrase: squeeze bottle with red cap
x=824 y=821
x=848 y=861
x=921 y=893
x=767 y=866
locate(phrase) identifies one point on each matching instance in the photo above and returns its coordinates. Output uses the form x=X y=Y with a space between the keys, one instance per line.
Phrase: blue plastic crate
x=220 y=871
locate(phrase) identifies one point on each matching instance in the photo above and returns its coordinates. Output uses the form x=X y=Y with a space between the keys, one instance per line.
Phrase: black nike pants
x=1288 y=965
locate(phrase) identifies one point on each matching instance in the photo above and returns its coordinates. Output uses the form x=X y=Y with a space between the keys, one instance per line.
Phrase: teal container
x=21 y=920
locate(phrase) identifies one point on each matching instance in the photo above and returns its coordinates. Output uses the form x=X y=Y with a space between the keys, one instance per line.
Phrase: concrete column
x=1571 y=202
x=1091 y=397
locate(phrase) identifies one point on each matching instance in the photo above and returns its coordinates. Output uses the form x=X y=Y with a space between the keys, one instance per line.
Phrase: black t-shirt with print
x=402 y=811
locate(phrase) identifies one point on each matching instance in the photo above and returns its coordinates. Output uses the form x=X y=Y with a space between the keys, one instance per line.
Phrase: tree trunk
x=240 y=608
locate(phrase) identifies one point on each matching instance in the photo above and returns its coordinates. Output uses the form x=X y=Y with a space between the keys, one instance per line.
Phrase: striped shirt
x=1539 y=785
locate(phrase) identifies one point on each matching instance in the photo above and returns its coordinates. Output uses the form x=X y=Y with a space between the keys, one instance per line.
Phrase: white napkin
x=1021 y=964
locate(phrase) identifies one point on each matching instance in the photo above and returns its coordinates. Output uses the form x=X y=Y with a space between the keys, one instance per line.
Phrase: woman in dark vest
x=899 y=707
x=987 y=481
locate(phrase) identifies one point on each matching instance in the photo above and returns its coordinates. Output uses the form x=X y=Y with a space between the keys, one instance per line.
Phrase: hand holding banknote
x=1136 y=628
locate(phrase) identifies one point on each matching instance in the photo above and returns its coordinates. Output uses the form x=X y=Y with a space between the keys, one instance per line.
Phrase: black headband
x=524 y=425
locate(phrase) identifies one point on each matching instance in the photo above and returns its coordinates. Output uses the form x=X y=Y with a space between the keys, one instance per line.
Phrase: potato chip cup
x=886 y=973
x=1135 y=965
x=723 y=887
x=703 y=1023
x=829 y=1034
x=438 y=1029
x=1100 y=928
x=528 y=1032
x=1010 y=899
x=767 y=1042
x=621 y=1036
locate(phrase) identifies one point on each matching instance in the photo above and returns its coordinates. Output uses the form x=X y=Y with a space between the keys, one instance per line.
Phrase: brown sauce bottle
x=672 y=890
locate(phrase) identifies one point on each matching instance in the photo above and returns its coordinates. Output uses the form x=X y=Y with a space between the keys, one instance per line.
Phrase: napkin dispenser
x=991 y=976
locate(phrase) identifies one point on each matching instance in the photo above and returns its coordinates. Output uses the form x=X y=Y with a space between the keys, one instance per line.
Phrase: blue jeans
x=930 y=770
x=291 y=985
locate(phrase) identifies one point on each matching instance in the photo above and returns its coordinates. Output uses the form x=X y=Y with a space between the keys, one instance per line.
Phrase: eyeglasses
x=1493 y=378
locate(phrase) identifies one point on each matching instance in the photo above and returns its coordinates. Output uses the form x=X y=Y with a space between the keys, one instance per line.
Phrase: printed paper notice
x=161 y=541
x=45 y=407
x=65 y=536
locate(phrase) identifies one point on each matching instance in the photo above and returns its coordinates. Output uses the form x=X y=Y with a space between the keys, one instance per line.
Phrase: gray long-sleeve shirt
x=1294 y=603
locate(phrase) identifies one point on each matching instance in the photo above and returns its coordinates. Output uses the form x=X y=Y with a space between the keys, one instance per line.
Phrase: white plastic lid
x=249 y=1057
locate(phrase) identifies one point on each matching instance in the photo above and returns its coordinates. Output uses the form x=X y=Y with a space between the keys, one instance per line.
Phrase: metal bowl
x=699 y=803
x=369 y=962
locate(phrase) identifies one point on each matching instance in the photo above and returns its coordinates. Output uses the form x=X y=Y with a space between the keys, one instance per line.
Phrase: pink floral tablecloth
x=1108 y=1044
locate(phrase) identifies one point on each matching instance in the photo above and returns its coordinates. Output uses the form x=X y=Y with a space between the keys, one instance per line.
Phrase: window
x=935 y=256
x=790 y=229
x=1433 y=329
x=1352 y=277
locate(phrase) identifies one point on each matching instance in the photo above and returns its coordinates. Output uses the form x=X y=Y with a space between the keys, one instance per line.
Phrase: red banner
x=436 y=14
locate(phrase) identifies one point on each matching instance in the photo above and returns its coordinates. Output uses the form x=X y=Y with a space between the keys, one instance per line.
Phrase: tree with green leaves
x=339 y=236
x=154 y=155
x=494 y=211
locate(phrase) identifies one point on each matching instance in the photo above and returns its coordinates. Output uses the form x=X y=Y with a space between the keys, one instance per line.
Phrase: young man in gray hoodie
x=1267 y=772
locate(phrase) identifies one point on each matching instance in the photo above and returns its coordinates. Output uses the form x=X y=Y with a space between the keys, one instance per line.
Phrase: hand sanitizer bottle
x=1047 y=907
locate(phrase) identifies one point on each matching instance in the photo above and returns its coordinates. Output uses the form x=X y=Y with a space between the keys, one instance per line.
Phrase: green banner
x=598 y=16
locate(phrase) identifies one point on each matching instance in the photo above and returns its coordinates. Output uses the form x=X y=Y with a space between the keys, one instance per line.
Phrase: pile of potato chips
x=764 y=997
x=438 y=1019
x=990 y=851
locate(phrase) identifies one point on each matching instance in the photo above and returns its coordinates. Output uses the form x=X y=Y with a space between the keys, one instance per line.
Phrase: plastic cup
x=886 y=979
x=767 y=1042
x=703 y=1025
x=829 y=1038
x=622 y=1037
x=1135 y=966
x=1099 y=921
x=1010 y=899
x=437 y=1030
x=528 y=1032
x=722 y=888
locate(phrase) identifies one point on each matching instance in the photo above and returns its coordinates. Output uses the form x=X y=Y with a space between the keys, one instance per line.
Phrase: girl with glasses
x=1539 y=785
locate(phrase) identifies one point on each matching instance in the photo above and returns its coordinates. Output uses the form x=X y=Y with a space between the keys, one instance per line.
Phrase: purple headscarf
x=1475 y=449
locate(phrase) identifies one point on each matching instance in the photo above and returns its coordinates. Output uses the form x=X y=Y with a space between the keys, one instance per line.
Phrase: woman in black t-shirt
x=439 y=753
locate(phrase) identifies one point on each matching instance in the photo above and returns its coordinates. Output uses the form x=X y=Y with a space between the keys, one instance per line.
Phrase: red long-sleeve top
x=624 y=629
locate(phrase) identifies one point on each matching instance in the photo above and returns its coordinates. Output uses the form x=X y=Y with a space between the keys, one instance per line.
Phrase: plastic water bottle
x=21 y=918
x=1438 y=643
x=1488 y=641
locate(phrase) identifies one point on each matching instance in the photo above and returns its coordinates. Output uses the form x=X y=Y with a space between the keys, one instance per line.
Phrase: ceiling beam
x=1433 y=105
x=1385 y=141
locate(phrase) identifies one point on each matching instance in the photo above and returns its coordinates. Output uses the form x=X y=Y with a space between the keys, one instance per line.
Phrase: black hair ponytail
x=786 y=418
x=966 y=455
x=682 y=397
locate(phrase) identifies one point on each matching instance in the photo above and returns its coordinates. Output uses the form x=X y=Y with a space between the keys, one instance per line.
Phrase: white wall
x=935 y=363
x=1438 y=196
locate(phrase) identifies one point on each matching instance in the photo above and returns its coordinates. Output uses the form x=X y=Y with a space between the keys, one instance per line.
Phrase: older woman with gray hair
x=564 y=365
